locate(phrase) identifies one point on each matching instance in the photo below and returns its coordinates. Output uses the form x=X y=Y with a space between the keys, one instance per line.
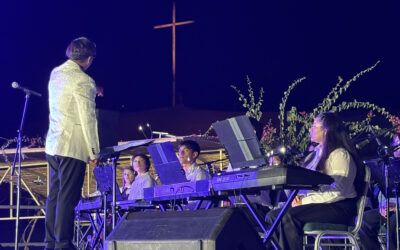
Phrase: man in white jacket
x=72 y=140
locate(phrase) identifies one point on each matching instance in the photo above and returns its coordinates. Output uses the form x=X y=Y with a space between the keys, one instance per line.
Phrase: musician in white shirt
x=141 y=164
x=72 y=140
x=336 y=203
x=189 y=150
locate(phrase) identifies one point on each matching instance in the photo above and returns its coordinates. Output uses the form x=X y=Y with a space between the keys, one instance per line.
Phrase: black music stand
x=114 y=151
x=387 y=177
x=104 y=179
x=240 y=141
x=166 y=163
x=111 y=155
x=378 y=174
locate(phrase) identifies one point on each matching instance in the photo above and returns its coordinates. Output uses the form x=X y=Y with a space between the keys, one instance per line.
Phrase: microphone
x=383 y=151
x=16 y=85
x=363 y=143
x=284 y=150
x=276 y=151
x=294 y=151
x=151 y=130
x=140 y=128
x=374 y=135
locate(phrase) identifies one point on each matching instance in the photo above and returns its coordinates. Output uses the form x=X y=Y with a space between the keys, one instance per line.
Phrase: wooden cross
x=173 y=25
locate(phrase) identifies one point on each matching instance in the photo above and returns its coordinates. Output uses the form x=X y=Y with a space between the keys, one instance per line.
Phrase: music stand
x=378 y=174
x=166 y=163
x=104 y=179
x=389 y=187
x=111 y=154
x=240 y=141
x=114 y=151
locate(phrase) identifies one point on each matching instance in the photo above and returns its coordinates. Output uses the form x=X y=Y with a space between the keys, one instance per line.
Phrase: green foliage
x=253 y=107
x=282 y=106
x=294 y=125
x=294 y=129
x=357 y=127
x=269 y=140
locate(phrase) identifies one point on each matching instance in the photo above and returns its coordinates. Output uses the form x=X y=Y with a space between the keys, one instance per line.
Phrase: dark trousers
x=289 y=235
x=372 y=222
x=66 y=180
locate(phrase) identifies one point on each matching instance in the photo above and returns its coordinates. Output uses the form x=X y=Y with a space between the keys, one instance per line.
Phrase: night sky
x=273 y=42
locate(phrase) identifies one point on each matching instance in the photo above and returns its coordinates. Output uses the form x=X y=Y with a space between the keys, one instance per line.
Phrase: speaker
x=219 y=228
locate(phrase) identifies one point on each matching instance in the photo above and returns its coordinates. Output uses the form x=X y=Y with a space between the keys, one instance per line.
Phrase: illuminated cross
x=173 y=25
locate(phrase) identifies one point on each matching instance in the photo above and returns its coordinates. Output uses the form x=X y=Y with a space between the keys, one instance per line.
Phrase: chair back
x=362 y=199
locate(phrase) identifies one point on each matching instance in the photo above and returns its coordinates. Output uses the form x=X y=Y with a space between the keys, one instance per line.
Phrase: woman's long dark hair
x=337 y=137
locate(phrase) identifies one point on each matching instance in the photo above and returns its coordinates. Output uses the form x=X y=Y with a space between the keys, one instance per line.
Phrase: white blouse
x=140 y=182
x=342 y=168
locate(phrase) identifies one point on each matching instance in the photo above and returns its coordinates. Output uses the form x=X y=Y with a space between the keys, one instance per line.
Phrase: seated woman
x=335 y=156
x=128 y=176
x=141 y=164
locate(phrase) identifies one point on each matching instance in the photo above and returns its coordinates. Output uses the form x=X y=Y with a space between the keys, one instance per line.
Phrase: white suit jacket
x=73 y=124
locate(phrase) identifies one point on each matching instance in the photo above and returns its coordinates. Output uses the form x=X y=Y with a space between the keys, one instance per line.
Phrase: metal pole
x=397 y=219
x=113 y=205
x=387 y=205
x=104 y=218
x=18 y=153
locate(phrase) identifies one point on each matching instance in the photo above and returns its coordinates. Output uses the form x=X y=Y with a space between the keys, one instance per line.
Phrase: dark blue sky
x=274 y=42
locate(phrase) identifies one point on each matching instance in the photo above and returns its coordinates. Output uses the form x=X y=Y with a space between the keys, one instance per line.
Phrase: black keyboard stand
x=97 y=228
x=97 y=231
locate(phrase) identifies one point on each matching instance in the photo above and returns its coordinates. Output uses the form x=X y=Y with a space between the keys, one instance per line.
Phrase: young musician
x=141 y=164
x=336 y=203
x=188 y=152
x=128 y=176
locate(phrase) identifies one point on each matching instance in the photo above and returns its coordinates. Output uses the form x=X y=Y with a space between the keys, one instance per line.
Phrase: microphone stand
x=112 y=159
x=114 y=189
x=383 y=153
x=18 y=153
x=397 y=216
x=396 y=191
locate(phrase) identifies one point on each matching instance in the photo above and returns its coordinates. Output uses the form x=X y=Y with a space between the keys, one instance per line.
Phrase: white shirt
x=196 y=173
x=342 y=168
x=140 y=182
x=73 y=124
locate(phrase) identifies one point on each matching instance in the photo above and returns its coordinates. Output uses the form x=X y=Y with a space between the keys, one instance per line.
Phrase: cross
x=173 y=25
